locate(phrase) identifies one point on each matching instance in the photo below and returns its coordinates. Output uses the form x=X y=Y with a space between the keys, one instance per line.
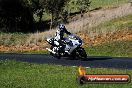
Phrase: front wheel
x=81 y=53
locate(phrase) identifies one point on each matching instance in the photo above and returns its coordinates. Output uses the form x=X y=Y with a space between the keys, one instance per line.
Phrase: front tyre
x=81 y=53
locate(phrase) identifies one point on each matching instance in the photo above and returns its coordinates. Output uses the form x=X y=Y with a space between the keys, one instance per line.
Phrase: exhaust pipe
x=51 y=51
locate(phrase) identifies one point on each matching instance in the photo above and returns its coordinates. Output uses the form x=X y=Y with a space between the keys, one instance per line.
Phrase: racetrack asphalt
x=92 y=61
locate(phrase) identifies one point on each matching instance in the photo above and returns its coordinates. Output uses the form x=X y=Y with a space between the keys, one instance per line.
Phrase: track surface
x=92 y=61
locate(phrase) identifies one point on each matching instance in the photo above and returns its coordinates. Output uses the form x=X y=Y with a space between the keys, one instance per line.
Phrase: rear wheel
x=51 y=52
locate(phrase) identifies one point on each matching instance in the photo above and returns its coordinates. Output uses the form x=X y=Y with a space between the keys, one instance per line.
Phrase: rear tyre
x=51 y=49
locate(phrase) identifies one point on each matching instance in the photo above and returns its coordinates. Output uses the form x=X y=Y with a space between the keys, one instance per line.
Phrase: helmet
x=61 y=26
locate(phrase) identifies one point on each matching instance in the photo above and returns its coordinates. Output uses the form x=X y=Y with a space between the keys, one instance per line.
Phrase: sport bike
x=71 y=48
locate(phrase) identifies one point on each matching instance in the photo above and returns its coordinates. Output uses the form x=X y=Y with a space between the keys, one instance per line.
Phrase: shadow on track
x=90 y=58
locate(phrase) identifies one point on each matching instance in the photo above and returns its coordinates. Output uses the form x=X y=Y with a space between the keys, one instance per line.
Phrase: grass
x=117 y=48
x=13 y=38
x=15 y=74
x=120 y=23
x=95 y=4
x=106 y=3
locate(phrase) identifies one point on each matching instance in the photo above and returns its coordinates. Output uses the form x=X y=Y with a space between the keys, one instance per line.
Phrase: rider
x=60 y=35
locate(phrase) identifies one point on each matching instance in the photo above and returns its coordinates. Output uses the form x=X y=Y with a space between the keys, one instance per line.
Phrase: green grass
x=117 y=48
x=96 y=4
x=106 y=3
x=26 y=75
x=120 y=23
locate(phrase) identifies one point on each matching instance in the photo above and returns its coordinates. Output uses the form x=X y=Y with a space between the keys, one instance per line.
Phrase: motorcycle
x=72 y=48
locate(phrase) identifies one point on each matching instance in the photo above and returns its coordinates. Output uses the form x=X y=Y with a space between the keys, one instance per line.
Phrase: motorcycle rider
x=59 y=36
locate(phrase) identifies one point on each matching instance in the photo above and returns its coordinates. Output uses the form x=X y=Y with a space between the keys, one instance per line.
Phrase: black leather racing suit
x=60 y=37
